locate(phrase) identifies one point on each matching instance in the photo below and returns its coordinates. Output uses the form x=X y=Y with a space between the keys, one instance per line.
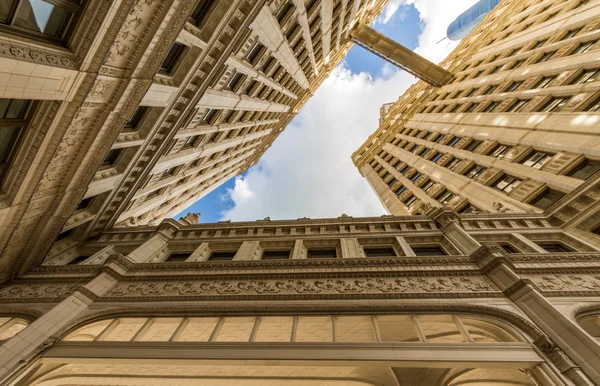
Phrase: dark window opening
x=322 y=253
x=429 y=251
x=380 y=252
x=547 y=198
x=586 y=169
x=77 y=260
x=177 y=257
x=111 y=157
x=276 y=255
x=222 y=256
x=200 y=13
x=170 y=60
x=84 y=204
x=555 y=247
x=509 y=248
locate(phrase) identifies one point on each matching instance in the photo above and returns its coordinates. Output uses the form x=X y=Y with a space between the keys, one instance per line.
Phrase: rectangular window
x=452 y=165
x=14 y=117
x=439 y=138
x=446 y=197
x=405 y=169
x=234 y=81
x=437 y=157
x=545 y=57
x=380 y=252
x=473 y=145
x=424 y=152
x=518 y=106
x=222 y=256
x=410 y=201
x=491 y=107
x=517 y=64
x=507 y=184
x=555 y=104
x=191 y=141
x=427 y=186
x=513 y=86
x=429 y=251
x=544 y=82
x=476 y=171
x=178 y=257
x=400 y=190
x=392 y=182
x=111 y=157
x=555 y=247
x=594 y=107
x=277 y=254
x=538 y=159
x=254 y=52
x=329 y=253
x=168 y=64
x=587 y=77
x=200 y=13
x=500 y=151
x=547 y=198
x=540 y=44
x=415 y=177
x=490 y=89
x=472 y=107
x=571 y=34
x=583 y=48
x=454 y=141
x=586 y=169
x=209 y=116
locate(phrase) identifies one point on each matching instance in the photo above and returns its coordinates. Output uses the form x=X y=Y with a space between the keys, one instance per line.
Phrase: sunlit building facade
x=117 y=114
x=515 y=130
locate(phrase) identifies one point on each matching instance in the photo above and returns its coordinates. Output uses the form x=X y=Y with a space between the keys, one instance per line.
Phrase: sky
x=308 y=171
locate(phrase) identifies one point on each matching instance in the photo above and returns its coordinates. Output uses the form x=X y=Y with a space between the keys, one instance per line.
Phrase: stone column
x=449 y=222
x=570 y=339
x=250 y=250
x=351 y=248
x=20 y=350
x=400 y=56
x=202 y=253
x=299 y=251
x=405 y=247
x=152 y=250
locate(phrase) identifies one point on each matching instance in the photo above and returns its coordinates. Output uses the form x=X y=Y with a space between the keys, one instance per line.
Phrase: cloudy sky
x=308 y=171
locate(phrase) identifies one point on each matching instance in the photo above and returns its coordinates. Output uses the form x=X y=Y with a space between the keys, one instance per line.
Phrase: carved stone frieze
x=436 y=286
x=566 y=283
x=33 y=292
x=25 y=53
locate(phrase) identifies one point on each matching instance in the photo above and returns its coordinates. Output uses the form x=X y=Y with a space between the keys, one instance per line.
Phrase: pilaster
x=250 y=250
x=299 y=251
x=351 y=248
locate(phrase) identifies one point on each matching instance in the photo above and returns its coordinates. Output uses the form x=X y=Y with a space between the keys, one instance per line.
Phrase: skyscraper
x=516 y=128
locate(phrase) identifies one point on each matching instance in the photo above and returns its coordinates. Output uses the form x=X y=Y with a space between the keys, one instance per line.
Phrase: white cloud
x=389 y=11
x=308 y=170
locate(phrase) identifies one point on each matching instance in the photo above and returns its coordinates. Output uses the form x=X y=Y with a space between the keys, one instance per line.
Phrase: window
x=454 y=141
x=555 y=104
x=518 y=105
x=429 y=251
x=571 y=33
x=544 y=82
x=427 y=186
x=169 y=172
x=594 y=107
x=424 y=152
x=495 y=70
x=191 y=141
x=168 y=64
x=513 y=86
x=83 y=204
x=546 y=198
x=380 y=252
x=415 y=177
x=77 y=260
x=410 y=201
x=52 y=20
x=284 y=10
x=468 y=209
x=329 y=253
x=235 y=80
x=405 y=169
x=555 y=247
x=475 y=171
x=540 y=44
x=472 y=107
x=473 y=145
x=254 y=52
x=177 y=257
x=439 y=138
x=209 y=115
x=587 y=77
x=201 y=11
x=517 y=64
x=507 y=184
x=446 y=197
x=491 y=107
x=14 y=116
x=538 y=159
x=392 y=182
x=111 y=157
x=222 y=256
x=472 y=92
x=583 y=48
x=452 y=165
x=400 y=190
x=490 y=89
x=281 y=254
x=586 y=169
x=509 y=248
x=514 y=52
x=545 y=57
x=500 y=151
x=437 y=157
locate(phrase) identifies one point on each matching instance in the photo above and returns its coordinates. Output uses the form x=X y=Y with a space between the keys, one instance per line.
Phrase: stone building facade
x=515 y=130
x=128 y=111
x=444 y=299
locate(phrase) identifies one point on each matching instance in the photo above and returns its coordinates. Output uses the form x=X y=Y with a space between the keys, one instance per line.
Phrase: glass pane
x=482 y=331
x=197 y=330
x=354 y=329
x=397 y=328
x=314 y=329
x=237 y=329
x=161 y=330
x=124 y=330
x=39 y=16
x=89 y=332
x=274 y=329
x=440 y=328
x=8 y=139
x=4 y=106
x=17 y=109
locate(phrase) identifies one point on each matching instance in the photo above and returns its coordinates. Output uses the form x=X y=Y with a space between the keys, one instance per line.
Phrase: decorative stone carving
x=567 y=282
x=405 y=285
x=37 y=291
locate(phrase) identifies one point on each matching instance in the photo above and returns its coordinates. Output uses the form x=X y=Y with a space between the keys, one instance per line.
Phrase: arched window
x=591 y=324
x=10 y=326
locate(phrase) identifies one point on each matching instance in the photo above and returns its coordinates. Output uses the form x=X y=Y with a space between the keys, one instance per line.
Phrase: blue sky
x=308 y=171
